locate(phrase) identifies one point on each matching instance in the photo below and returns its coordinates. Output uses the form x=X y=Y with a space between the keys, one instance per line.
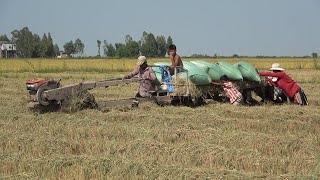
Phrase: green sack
x=213 y=70
x=248 y=71
x=196 y=75
x=229 y=70
x=201 y=64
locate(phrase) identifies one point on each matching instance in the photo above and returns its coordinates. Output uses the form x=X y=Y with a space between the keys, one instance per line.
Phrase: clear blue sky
x=225 y=27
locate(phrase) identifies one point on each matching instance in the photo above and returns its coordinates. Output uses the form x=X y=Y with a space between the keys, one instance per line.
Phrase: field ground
x=214 y=141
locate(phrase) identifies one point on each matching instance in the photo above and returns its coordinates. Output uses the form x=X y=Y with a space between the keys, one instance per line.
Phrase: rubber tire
x=39 y=96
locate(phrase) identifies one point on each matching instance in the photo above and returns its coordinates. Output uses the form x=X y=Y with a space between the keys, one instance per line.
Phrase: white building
x=7 y=50
x=62 y=54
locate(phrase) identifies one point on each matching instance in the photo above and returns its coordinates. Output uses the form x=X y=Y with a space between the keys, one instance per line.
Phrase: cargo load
x=230 y=70
x=213 y=70
x=248 y=71
x=196 y=75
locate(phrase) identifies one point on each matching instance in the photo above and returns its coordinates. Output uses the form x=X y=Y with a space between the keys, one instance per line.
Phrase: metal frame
x=175 y=78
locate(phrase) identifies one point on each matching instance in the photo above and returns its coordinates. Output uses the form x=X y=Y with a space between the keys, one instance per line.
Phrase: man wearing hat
x=286 y=83
x=147 y=76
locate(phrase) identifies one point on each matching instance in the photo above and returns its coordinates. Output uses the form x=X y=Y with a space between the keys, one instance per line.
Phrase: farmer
x=147 y=76
x=175 y=59
x=231 y=92
x=286 y=84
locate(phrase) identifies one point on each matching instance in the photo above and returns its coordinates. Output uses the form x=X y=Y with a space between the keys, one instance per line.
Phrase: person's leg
x=235 y=103
x=300 y=98
x=297 y=98
x=277 y=93
x=138 y=95
x=304 y=98
x=238 y=102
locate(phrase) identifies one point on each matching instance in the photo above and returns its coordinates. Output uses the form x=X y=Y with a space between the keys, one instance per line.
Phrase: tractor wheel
x=40 y=98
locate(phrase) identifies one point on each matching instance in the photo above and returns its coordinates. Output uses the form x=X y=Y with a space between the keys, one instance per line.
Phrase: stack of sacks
x=203 y=73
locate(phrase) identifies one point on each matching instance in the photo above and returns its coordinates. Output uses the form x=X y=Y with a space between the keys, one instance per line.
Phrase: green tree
x=79 y=46
x=121 y=50
x=50 y=49
x=169 y=41
x=4 y=38
x=56 y=50
x=69 y=48
x=314 y=55
x=37 y=42
x=43 y=46
x=24 y=41
x=149 y=45
x=132 y=47
x=162 y=46
x=109 y=49
x=99 y=46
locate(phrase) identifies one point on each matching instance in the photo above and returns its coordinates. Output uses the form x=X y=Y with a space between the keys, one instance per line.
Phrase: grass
x=216 y=141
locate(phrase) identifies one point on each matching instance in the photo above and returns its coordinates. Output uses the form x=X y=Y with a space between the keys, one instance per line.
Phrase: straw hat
x=276 y=66
x=141 y=60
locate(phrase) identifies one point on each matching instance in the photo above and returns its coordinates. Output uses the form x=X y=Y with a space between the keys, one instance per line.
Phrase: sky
x=222 y=27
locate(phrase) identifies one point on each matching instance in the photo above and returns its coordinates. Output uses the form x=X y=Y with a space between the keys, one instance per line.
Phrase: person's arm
x=273 y=74
x=133 y=73
x=176 y=61
x=152 y=75
x=272 y=83
x=218 y=84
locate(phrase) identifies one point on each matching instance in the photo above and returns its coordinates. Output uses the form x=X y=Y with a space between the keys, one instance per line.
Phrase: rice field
x=215 y=141
x=123 y=65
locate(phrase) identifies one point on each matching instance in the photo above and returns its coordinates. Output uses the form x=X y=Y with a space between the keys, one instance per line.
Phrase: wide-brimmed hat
x=141 y=60
x=276 y=67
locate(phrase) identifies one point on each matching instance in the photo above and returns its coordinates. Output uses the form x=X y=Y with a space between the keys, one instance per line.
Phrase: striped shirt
x=231 y=92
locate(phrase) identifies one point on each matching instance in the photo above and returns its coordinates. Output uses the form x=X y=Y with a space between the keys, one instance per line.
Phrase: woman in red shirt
x=287 y=84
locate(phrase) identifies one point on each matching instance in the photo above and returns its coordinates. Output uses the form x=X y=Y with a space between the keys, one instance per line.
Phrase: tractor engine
x=36 y=87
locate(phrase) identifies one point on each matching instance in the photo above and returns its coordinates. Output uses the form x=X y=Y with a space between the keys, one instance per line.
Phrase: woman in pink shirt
x=287 y=84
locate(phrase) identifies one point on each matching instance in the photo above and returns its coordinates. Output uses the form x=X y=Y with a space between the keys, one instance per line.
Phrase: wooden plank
x=67 y=91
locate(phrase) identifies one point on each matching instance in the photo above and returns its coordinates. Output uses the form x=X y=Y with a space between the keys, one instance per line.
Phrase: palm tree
x=99 y=44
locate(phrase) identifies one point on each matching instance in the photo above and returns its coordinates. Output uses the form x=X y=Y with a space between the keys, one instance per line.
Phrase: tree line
x=149 y=45
x=30 y=45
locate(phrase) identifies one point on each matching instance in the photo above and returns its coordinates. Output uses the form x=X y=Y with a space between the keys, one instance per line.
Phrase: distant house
x=62 y=54
x=7 y=50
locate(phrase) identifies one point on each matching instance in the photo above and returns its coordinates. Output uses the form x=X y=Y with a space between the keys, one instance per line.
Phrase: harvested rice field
x=215 y=141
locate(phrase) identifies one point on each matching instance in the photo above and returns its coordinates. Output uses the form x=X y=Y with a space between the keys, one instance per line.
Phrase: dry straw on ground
x=216 y=141
x=79 y=101
x=185 y=88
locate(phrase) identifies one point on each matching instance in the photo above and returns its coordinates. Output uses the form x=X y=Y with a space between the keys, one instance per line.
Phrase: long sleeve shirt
x=147 y=83
x=285 y=82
